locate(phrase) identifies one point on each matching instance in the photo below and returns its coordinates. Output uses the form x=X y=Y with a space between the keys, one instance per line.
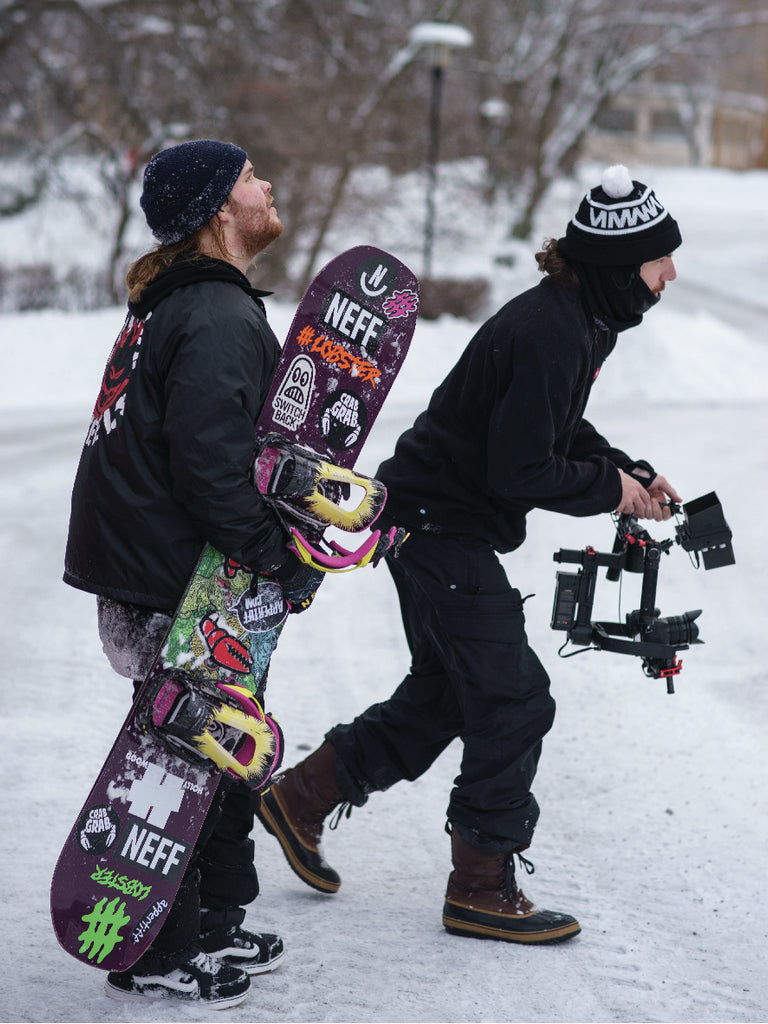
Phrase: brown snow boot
x=483 y=901
x=294 y=809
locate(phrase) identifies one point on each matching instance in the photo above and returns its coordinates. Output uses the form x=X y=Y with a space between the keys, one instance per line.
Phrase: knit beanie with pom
x=621 y=222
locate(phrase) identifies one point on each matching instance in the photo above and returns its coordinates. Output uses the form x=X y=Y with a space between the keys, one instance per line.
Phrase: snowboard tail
x=194 y=718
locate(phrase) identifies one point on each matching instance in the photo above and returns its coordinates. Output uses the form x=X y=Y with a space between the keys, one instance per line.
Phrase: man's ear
x=222 y=214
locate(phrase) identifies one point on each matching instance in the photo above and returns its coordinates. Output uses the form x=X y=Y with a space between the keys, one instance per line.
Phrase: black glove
x=641 y=471
x=299 y=583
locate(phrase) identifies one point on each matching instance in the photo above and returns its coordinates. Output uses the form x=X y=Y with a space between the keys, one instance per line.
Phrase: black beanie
x=619 y=223
x=185 y=185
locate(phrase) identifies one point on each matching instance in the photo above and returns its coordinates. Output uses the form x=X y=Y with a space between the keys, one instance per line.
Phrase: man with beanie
x=164 y=470
x=503 y=434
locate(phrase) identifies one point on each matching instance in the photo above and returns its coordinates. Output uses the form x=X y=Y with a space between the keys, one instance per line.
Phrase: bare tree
x=117 y=81
x=315 y=89
x=557 y=63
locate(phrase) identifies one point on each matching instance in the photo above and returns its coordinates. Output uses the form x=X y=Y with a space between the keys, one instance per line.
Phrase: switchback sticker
x=291 y=403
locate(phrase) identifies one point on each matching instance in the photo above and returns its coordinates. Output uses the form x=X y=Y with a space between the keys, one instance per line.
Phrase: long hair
x=153 y=263
x=554 y=265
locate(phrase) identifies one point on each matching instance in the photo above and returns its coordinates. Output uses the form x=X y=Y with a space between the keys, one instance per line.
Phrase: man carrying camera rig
x=503 y=434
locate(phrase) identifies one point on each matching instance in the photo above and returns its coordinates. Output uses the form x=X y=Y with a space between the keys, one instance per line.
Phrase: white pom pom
x=616 y=181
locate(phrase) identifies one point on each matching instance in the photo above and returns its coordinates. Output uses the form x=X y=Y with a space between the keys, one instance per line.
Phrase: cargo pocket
x=483 y=637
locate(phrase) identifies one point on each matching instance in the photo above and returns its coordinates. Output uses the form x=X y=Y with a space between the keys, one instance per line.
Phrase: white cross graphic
x=156 y=796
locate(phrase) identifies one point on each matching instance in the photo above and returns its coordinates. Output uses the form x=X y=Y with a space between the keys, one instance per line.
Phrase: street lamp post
x=496 y=113
x=440 y=37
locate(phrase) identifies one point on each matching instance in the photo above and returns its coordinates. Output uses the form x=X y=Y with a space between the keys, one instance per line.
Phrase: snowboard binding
x=310 y=489
x=307 y=491
x=220 y=723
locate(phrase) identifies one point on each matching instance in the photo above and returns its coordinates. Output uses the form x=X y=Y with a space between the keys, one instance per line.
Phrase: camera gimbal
x=645 y=633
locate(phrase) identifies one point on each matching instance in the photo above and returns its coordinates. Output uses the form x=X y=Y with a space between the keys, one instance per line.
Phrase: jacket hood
x=186 y=272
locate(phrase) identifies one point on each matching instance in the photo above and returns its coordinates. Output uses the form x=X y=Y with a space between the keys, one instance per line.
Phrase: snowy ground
x=653 y=827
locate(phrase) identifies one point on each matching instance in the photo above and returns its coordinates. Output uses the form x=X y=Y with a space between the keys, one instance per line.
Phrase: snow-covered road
x=654 y=827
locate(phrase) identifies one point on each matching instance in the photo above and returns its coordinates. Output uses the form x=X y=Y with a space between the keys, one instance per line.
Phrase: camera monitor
x=705 y=530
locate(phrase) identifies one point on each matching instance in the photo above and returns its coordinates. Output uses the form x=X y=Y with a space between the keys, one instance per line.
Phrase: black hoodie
x=165 y=463
x=505 y=432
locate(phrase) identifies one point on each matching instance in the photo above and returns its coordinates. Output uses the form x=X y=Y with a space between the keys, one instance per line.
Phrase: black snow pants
x=473 y=676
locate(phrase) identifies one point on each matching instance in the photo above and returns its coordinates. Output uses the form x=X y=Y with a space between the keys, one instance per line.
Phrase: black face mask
x=616 y=295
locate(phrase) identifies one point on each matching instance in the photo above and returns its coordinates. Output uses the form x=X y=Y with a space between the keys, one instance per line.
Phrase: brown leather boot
x=483 y=901
x=294 y=809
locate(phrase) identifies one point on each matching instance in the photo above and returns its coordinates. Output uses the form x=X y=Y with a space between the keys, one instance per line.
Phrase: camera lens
x=674 y=629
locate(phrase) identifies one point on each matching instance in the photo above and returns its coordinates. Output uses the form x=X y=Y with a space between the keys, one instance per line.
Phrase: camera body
x=645 y=633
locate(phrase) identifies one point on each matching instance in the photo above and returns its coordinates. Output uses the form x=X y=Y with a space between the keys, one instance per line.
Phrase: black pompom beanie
x=185 y=185
x=621 y=222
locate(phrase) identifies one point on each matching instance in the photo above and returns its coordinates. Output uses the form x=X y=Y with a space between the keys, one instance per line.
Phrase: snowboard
x=199 y=712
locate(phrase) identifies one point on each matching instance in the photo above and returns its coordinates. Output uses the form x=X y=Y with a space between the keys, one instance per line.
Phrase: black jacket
x=505 y=432
x=165 y=463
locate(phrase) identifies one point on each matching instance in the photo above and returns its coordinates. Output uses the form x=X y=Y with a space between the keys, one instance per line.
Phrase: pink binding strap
x=390 y=535
x=342 y=560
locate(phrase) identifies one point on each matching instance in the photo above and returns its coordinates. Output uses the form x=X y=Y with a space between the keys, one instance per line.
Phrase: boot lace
x=510 y=884
x=343 y=810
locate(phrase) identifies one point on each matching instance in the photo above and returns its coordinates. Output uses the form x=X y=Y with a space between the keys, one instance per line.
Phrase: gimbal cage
x=645 y=634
